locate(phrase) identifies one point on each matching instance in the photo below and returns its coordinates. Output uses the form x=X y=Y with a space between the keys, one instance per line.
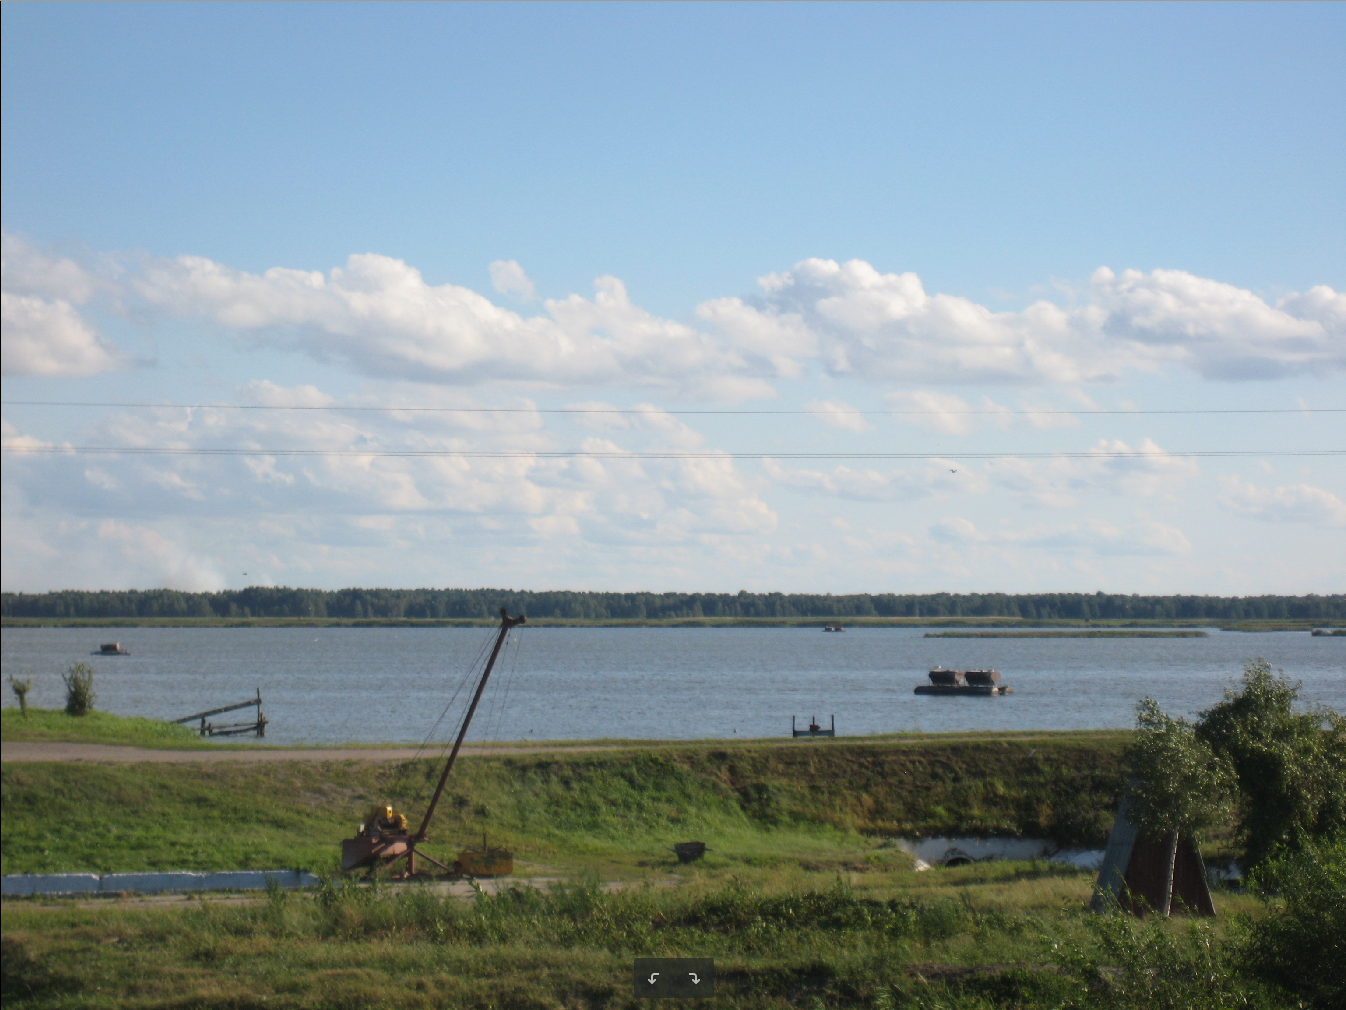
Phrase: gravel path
x=98 y=753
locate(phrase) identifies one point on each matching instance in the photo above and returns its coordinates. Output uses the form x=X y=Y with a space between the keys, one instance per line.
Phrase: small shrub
x=1145 y=965
x=79 y=692
x=21 y=689
x=1302 y=948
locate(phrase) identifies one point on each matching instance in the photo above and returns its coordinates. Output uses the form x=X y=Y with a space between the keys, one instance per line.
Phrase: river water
x=336 y=685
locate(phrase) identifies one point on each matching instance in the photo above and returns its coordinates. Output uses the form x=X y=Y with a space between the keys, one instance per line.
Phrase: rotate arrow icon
x=695 y=980
x=653 y=977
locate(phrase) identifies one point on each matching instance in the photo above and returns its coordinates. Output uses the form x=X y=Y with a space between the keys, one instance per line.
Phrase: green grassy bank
x=45 y=724
x=821 y=803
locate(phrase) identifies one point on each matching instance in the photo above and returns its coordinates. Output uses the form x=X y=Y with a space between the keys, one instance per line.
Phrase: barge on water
x=982 y=683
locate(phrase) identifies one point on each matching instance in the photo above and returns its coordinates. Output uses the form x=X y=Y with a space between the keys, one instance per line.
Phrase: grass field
x=1007 y=935
x=97 y=727
x=803 y=899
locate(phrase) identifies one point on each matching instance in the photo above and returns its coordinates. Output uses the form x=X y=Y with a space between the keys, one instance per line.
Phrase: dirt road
x=98 y=753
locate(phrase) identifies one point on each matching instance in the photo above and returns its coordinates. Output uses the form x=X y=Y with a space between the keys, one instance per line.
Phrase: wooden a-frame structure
x=1145 y=874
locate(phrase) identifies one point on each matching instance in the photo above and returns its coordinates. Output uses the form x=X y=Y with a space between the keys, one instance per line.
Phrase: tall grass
x=571 y=945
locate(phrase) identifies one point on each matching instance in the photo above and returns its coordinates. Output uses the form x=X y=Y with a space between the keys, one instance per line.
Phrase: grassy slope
x=816 y=802
x=96 y=727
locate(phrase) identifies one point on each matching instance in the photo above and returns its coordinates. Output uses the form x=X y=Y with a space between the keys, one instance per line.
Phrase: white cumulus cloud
x=862 y=323
x=1297 y=503
x=1220 y=330
x=42 y=332
x=938 y=479
x=1093 y=537
x=378 y=316
x=857 y=321
x=509 y=278
x=1111 y=466
x=839 y=415
x=51 y=339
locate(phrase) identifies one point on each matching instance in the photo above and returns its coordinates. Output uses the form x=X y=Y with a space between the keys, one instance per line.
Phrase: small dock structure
x=257 y=725
x=813 y=728
x=975 y=683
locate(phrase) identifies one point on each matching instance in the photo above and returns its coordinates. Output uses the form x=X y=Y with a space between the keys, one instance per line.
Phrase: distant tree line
x=263 y=601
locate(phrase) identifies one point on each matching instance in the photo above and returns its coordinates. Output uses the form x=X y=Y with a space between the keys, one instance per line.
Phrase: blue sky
x=826 y=208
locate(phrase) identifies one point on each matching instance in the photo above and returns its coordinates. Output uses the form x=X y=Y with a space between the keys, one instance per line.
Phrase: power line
x=577 y=453
x=631 y=410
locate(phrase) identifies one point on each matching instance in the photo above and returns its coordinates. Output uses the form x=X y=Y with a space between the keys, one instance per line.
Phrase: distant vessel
x=984 y=683
x=112 y=649
x=833 y=627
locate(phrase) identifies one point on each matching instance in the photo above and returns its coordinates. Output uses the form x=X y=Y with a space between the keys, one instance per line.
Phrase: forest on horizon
x=450 y=604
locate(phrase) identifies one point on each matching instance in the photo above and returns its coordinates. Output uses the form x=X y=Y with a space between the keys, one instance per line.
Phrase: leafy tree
x=1291 y=766
x=1178 y=786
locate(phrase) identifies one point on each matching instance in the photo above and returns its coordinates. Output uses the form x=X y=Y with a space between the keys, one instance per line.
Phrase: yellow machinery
x=382 y=819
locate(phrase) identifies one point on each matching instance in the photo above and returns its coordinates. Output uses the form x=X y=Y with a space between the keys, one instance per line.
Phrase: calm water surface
x=332 y=685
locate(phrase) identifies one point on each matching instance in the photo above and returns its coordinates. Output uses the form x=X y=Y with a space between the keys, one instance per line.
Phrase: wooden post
x=1166 y=905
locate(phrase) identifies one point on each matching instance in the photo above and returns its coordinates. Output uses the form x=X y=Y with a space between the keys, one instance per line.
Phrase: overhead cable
x=392 y=409
x=580 y=453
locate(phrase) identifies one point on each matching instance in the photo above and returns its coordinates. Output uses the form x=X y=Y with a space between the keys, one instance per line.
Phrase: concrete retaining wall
x=151 y=883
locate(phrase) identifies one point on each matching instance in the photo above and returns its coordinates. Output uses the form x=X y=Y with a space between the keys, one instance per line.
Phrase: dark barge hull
x=982 y=690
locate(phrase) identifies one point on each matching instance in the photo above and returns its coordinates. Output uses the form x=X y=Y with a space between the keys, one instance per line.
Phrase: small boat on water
x=981 y=683
x=833 y=627
x=112 y=649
